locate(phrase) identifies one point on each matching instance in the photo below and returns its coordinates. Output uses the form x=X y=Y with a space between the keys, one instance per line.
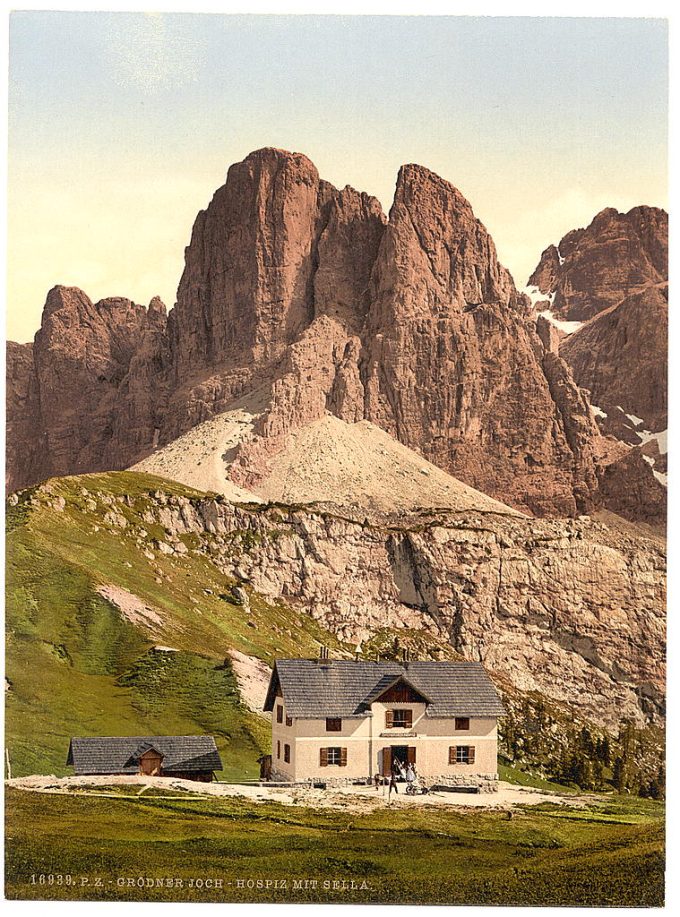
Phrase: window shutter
x=411 y=754
x=278 y=749
x=389 y=719
x=471 y=754
x=343 y=757
x=323 y=757
x=409 y=719
x=452 y=754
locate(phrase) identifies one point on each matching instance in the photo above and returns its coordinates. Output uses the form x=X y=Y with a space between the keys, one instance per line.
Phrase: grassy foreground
x=136 y=848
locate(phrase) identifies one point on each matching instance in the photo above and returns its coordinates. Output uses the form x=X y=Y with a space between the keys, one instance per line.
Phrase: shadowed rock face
x=311 y=294
x=620 y=356
x=595 y=268
x=454 y=367
x=613 y=276
x=65 y=407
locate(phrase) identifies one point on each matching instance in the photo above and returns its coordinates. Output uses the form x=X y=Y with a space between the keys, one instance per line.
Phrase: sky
x=122 y=126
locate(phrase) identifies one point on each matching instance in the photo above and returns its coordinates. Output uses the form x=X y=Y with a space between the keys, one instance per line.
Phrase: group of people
x=400 y=772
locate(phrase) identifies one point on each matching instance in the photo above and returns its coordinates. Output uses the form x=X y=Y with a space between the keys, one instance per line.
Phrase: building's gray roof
x=120 y=755
x=345 y=687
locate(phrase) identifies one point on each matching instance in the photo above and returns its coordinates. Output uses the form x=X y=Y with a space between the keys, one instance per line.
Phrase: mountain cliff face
x=617 y=255
x=81 y=397
x=620 y=356
x=611 y=282
x=572 y=609
x=311 y=295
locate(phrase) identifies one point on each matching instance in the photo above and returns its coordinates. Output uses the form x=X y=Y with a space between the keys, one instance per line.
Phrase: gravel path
x=353 y=798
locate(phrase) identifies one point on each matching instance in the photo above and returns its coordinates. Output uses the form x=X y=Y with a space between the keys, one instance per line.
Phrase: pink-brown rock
x=310 y=297
x=617 y=255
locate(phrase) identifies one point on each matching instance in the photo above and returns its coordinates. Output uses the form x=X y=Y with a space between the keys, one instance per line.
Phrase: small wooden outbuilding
x=188 y=757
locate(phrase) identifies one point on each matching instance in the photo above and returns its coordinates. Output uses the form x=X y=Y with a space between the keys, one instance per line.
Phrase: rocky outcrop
x=455 y=368
x=75 y=406
x=573 y=609
x=592 y=269
x=630 y=488
x=310 y=295
x=609 y=282
x=620 y=356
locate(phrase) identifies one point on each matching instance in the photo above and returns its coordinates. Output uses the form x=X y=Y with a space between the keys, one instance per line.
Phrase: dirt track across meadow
x=354 y=798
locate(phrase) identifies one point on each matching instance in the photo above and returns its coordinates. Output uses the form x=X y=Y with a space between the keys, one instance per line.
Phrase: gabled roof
x=346 y=687
x=390 y=680
x=121 y=754
x=142 y=750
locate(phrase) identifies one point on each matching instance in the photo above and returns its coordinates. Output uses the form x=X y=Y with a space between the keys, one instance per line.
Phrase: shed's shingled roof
x=344 y=687
x=120 y=755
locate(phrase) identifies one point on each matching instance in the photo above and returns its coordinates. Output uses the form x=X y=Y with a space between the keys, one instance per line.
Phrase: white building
x=343 y=721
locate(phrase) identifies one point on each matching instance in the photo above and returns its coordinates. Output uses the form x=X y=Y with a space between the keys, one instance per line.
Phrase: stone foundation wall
x=486 y=783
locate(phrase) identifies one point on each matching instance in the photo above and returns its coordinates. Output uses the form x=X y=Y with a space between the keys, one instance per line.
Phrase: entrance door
x=405 y=754
x=400 y=753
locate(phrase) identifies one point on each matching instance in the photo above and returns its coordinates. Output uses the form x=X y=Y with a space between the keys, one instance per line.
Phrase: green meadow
x=610 y=854
x=76 y=666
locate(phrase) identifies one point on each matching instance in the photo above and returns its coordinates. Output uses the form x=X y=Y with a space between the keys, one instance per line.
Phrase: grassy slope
x=611 y=854
x=77 y=667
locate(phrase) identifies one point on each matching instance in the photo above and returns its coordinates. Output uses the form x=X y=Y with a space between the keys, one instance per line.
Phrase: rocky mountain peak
x=610 y=281
x=67 y=300
x=616 y=255
x=310 y=300
x=157 y=310
x=545 y=275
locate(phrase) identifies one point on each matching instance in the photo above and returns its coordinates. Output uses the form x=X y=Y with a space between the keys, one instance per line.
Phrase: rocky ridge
x=573 y=609
x=311 y=294
x=592 y=269
x=605 y=288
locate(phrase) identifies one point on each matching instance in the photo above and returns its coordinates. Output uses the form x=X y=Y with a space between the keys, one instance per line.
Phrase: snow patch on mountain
x=566 y=327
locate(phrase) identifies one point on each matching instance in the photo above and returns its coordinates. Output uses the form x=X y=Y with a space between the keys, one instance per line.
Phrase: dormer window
x=398 y=719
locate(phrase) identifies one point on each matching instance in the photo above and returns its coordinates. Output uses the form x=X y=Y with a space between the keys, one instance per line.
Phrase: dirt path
x=352 y=798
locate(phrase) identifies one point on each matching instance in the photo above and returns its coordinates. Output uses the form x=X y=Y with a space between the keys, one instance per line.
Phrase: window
x=286 y=753
x=278 y=749
x=462 y=722
x=289 y=720
x=333 y=724
x=462 y=754
x=401 y=719
x=279 y=713
x=333 y=756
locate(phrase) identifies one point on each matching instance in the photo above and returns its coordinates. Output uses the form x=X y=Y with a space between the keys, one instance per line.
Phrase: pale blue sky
x=123 y=125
